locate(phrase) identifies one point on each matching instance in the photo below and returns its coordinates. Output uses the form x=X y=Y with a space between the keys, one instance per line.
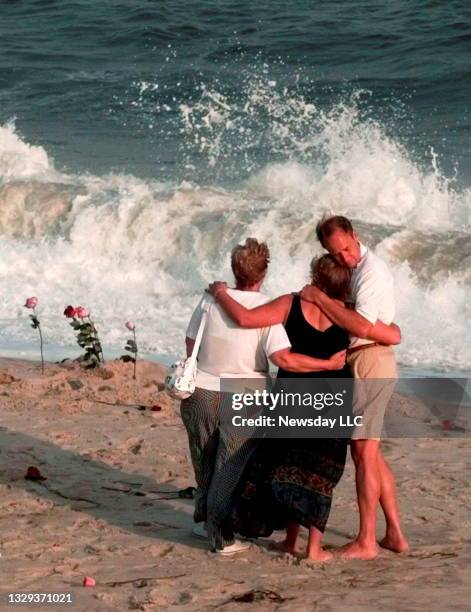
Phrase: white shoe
x=199 y=531
x=233 y=549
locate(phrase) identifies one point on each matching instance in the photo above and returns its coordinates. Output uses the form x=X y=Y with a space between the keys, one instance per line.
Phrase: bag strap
x=205 y=304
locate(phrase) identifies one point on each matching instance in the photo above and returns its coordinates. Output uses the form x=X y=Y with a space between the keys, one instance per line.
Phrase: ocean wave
x=139 y=249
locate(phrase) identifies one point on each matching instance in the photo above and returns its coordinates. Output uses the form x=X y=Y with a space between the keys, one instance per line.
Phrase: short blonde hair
x=249 y=262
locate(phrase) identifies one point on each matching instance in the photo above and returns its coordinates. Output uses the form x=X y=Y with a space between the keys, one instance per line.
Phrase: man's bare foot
x=395 y=542
x=320 y=556
x=356 y=550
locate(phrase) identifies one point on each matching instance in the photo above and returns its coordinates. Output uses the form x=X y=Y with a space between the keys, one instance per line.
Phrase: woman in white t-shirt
x=229 y=351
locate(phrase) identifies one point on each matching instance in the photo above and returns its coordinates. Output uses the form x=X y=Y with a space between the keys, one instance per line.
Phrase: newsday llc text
x=270 y=401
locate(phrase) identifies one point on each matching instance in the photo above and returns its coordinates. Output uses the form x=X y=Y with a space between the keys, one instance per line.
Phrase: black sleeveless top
x=308 y=340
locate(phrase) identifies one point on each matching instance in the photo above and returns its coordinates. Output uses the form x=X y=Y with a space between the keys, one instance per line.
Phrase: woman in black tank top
x=311 y=341
x=290 y=482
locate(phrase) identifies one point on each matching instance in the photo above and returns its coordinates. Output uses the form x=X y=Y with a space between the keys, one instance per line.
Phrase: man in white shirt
x=372 y=296
x=228 y=351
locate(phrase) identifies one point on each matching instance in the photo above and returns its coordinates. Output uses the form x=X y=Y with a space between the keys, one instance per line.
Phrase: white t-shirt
x=372 y=291
x=230 y=351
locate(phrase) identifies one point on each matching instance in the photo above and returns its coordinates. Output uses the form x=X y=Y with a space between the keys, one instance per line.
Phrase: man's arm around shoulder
x=349 y=320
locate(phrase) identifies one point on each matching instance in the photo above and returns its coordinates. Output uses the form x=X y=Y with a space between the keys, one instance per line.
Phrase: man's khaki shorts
x=375 y=373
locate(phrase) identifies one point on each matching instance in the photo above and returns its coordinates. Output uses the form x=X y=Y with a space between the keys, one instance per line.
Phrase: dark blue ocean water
x=99 y=84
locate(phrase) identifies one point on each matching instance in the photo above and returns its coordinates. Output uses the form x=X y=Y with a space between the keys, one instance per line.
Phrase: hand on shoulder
x=216 y=288
x=310 y=293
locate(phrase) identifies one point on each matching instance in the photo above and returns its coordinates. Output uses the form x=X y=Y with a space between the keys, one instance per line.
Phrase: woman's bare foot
x=288 y=545
x=395 y=542
x=285 y=547
x=357 y=550
x=319 y=556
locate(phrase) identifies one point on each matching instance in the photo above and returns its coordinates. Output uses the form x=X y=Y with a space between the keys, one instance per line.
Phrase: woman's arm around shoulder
x=265 y=315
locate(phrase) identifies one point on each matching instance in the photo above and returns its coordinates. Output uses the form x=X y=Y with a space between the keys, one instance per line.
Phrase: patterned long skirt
x=288 y=481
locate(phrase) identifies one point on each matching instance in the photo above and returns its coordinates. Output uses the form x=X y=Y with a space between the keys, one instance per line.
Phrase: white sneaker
x=199 y=531
x=233 y=549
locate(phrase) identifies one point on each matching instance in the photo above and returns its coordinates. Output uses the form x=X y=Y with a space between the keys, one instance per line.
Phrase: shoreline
x=57 y=354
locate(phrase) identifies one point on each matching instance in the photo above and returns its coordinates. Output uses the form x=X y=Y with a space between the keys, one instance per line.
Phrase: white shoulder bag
x=181 y=382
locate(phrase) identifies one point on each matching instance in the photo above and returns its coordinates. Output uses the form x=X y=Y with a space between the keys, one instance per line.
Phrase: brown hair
x=327 y=226
x=331 y=277
x=249 y=262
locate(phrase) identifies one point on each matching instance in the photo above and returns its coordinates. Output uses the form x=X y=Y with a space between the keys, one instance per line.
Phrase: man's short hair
x=249 y=262
x=328 y=225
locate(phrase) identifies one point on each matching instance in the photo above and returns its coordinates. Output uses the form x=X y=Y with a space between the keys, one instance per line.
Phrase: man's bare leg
x=314 y=550
x=394 y=539
x=368 y=485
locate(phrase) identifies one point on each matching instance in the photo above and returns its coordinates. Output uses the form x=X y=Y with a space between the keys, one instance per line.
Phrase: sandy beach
x=114 y=455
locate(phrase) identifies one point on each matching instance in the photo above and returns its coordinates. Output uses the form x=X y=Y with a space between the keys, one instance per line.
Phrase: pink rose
x=81 y=312
x=70 y=312
x=130 y=325
x=89 y=582
x=31 y=302
x=447 y=425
